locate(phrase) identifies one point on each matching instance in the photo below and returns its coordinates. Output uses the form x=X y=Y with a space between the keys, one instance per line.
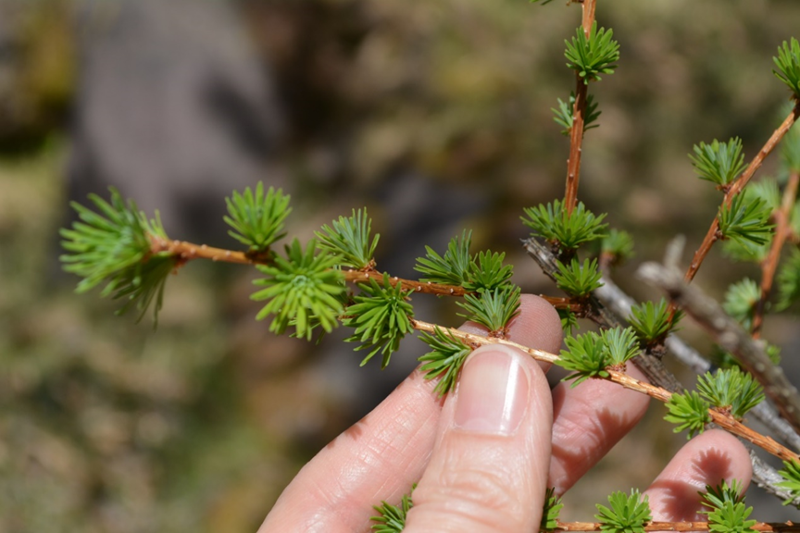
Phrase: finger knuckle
x=476 y=497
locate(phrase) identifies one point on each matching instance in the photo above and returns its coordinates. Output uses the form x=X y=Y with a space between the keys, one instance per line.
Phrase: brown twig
x=783 y=229
x=479 y=340
x=578 y=120
x=439 y=289
x=736 y=187
x=764 y=442
x=186 y=251
x=589 y=7
x=570 y=304
x=721 y=419
x=575 y=142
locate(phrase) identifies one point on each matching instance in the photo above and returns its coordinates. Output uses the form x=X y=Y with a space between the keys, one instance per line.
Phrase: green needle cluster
x=578 y=279
x=592 y=56
x=453 y=267
x=788 y=63
x=585 y=356
x=621 y=345
x=789 y=280
x=728 y=390
x=719 y=163
x=256 y=217
x=618 y=244
x=552 y=508
x=745 y=219
x=791 y=480
x=113 y=246
x=727 y=512
x=740 y=301
x=303 y=289
x=563 y=115
x=392 y=518
x=445 y=359
x=626 y=513
x=492 y=309
x=568 y=230
x=716 y=495
x=350 y=239
x=487 y=272
x=381 y=317
x=591 y=355
x=483 y=271
x=652 y=321
x=689 y=411
x=750 y=237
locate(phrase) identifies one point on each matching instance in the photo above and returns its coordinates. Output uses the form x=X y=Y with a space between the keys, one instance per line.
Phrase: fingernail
x=492 y=394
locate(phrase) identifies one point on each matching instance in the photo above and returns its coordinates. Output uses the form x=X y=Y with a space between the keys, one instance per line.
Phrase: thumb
x=488 y=469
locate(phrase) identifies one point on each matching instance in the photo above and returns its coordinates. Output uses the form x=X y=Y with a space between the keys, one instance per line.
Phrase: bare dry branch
x=730 y=335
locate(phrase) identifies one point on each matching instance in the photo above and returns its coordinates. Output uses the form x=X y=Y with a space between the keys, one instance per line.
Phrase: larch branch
x=721 y=419
x=730 y=335
x=187 y=251
x=737 y=186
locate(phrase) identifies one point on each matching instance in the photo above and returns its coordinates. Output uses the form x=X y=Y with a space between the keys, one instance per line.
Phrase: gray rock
x=173 y=108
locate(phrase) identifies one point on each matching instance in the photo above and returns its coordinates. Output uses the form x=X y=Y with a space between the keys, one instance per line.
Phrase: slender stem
x=187 y=251
x=439 y=289
x=575 y=150
x=770 y=265
x=479 y=340
x=679 y=526
x=768 y=444
x=721 y=419
x=570 y=304
x=736 y=187
x=589 y=7
x=578 y=120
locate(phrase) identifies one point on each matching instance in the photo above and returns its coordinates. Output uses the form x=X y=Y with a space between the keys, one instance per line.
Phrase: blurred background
x=435 y=114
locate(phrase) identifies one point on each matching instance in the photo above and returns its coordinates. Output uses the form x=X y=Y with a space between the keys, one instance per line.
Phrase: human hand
x=485 y=454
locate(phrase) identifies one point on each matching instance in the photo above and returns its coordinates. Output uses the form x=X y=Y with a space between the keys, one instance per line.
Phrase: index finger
x=382 y=455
